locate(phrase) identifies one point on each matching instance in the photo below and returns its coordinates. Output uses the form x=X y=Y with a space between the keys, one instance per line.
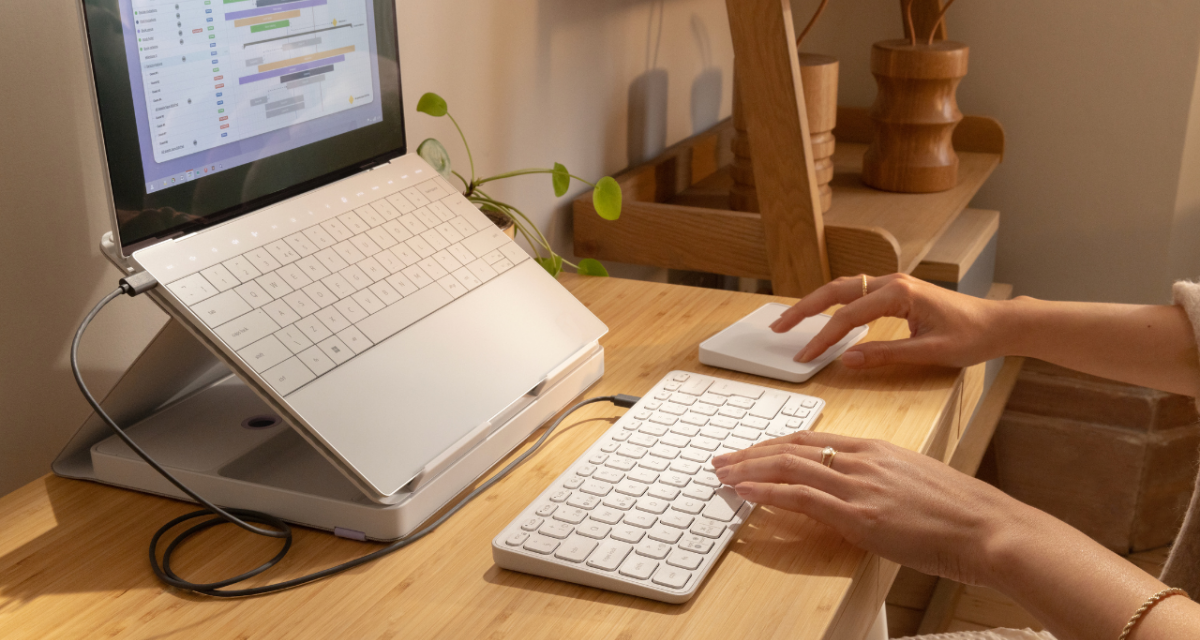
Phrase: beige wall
x=1095 y=100
x=531 y=81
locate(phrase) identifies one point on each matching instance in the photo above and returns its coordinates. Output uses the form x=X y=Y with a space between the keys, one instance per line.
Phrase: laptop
x=257 y=168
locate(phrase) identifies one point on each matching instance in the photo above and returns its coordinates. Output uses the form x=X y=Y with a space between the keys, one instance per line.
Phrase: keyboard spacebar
x=386 y=322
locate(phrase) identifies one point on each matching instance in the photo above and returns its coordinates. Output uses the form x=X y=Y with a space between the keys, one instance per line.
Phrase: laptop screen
x=213 y=108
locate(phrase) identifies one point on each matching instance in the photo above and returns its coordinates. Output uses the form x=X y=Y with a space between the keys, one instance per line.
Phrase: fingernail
x=853 y=358
x=722 y=472
x=743 y=491
x=802 y=356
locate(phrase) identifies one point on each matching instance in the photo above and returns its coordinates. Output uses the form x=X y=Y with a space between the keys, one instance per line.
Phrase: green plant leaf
x=607 y=198
x=435 y=154
x=592 y=267
x=562 y=179
x=432 y=104
x=552 y=265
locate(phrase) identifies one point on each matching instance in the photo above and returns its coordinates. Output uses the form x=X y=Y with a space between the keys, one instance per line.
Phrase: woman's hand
x=902 y=505
x=948 y=328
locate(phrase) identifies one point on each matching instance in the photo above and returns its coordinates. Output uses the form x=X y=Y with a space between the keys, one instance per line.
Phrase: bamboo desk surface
x=73 y=553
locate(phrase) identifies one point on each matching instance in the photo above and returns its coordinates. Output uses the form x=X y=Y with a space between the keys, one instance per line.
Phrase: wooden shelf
x=955 y=253
x=676 y=212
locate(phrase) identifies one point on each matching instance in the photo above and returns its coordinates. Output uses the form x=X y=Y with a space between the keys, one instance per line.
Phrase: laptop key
x=336 y=349
x=265 y=353
x=221 y=308
x=293 y=338
x=192 y=289
x=244 y=331
x=316 y=360
x=288 y=376
x=220 y=277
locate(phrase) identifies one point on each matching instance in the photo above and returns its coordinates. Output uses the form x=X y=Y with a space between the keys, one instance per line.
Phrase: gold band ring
x=864 y=277
x=827 y=455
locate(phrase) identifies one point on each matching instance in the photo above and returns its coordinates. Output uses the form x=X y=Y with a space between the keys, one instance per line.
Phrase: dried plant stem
x=937 y=23
x=811 y=22
x=912 y=30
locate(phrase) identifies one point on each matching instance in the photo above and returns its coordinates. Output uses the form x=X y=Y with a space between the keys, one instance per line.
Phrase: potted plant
x=606 y=195
x=915 y=111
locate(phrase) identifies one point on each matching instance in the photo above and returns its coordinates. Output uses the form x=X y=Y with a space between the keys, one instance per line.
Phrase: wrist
x=1009 y=324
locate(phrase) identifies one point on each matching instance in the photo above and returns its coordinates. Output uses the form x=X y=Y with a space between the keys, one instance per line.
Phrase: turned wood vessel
x=819 y=75
x=914 y=116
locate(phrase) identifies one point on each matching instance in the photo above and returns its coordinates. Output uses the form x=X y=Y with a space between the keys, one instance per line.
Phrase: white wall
x=531 y=81
x=1095 y=99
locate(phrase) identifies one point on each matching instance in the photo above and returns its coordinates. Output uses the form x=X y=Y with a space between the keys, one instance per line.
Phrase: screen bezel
x=309 y=167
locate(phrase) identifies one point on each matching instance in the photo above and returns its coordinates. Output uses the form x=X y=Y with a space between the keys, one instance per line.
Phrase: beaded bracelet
x=1153 y=600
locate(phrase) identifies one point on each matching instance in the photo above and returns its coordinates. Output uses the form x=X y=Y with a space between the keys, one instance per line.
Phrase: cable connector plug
x=138 y=283
x=625 y=401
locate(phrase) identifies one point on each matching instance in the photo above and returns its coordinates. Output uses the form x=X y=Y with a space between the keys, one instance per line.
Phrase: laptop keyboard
x=641 y=511
x=297 y=308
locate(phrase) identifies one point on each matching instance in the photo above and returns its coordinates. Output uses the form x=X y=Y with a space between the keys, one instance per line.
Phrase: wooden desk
x=73 y=554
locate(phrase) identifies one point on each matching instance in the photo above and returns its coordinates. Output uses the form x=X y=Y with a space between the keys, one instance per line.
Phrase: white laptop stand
x=187 y=410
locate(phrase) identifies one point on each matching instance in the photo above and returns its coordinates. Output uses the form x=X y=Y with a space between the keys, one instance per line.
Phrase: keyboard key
x=281 y=312
x=570 y=515
x=401 y=285
x=435 y=239
x=415 y=196
x=370 y=216
x=433 y=190
x=620 y=462
x=316 y=360
x=741 y=403
x=400 y=203
x=532 y=524
x=262 y=260
x=402 y=314
x=675 y=440
x=220 y=277
x=609 y=475
x=390 y=261
x=351 y=310
x=575 y=549
x=708 y=528
x=431 y=267
x=638 y=567
x=652 y=505
x=301 y=244
x=652 y=548
x=515 y=538
x=663 y=492
x=724 y=505
x=699 y=492
x=338 y=284
x=460 y=253
x=348 y=252
x=313 y=329
x=672 y=577
x=654 y=464
x=619 y=501
x=294 y=276
x=447 y=261
x=293 y=338
x=514 y=253
x=319 y=237
x=313 y=268
x=319 y=294
x=607 y=515
x=595 y=530
x=558 y=530
x=246 y=330
x=583 y=501
x=627 y=533
x=336 y=350
x=334 y=262
x=453 y=286
x=665 y=534
x=382 y=238
x=354 y=223
x=242 y=268
x=221 y=308
x=449 y=232
x=707 y=479
x=373 y=269
x=690 y=506
x=282 y=252
x=192 y=289
x=368 y=300
x=397 y=230
x=336 y=229
x=265 y=353
x=684 y=559
x=333 y=319
x=755 y=423
x=467 y=278
x=541 y=544
x=288 y=376
x=695 y=544
x=485 y=241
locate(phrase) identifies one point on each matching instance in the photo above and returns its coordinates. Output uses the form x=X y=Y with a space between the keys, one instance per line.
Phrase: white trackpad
x=750 y=346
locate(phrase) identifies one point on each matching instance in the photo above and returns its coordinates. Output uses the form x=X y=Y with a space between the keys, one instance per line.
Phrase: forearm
x=1078 y=589
x=1146 y=345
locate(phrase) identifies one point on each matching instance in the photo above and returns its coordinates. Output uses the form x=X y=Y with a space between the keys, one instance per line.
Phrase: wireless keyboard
x=641 y=512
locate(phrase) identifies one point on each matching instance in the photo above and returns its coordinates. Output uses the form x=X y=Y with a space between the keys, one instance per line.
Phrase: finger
x=816 y=440
x=841 y=291
x=788 y=469
x=883 y=303
x=814 y=503
x=876 y=354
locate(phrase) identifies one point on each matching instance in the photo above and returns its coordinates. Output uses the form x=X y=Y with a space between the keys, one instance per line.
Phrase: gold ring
x=827 y=455
x=864 y=277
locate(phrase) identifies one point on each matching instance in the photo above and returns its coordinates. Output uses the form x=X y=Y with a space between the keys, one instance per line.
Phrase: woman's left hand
x=902 y=505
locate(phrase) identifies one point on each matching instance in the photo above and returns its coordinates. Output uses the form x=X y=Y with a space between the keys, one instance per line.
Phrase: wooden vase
x=914 y=116
x=819 y=75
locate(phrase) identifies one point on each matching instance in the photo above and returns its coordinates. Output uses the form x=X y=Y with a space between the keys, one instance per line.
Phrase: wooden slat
x=956 y=251
x=767 y=68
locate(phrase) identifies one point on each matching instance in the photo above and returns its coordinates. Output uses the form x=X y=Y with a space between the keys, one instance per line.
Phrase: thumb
x=877 y=354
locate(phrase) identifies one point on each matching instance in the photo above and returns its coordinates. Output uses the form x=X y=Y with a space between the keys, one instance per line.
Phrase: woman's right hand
x=948 y=329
